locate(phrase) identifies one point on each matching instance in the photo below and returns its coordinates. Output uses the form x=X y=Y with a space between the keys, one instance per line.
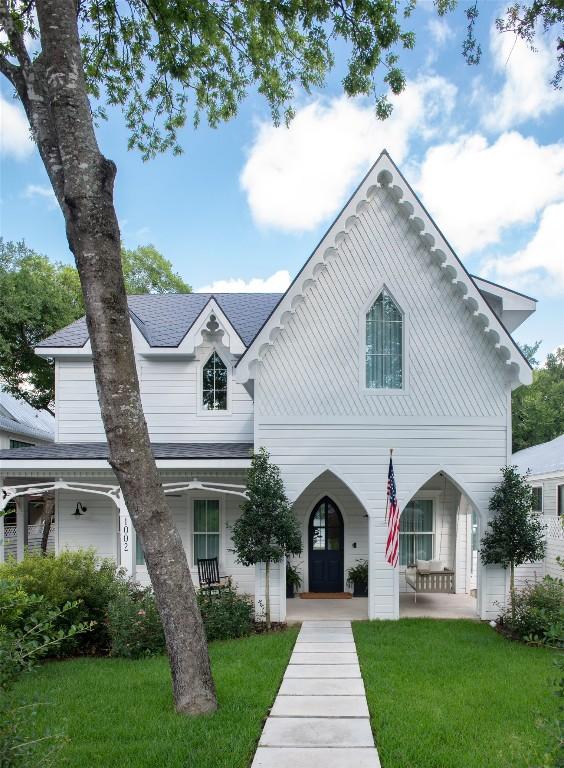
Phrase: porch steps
x=320 y=717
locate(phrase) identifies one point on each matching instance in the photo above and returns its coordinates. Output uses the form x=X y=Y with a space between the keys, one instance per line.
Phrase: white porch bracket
x=17 y=493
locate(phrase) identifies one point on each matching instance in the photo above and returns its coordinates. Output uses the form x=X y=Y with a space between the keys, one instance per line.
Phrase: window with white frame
x=417 y=532
x=560 y=499
x=214 y=384
x=206 y=528
x=384 y=344
x=537 y=498
x=139 y=556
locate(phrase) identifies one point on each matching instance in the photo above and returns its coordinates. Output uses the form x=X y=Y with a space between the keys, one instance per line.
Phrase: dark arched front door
x=326 y=539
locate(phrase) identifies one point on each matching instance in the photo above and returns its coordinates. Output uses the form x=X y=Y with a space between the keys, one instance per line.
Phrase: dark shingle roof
x=160 y=451
x=164 y=319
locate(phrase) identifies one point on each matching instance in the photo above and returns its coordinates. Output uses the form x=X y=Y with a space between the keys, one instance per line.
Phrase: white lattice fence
x=554 y=546
x=34 y=536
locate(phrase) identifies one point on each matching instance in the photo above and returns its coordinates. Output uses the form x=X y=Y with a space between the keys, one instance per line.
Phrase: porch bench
x=430 y=582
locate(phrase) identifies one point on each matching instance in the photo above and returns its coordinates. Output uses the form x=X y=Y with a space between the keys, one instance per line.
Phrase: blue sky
x=246 y=203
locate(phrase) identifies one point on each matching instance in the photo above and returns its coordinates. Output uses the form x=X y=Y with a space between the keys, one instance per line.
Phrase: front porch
x=298 y=610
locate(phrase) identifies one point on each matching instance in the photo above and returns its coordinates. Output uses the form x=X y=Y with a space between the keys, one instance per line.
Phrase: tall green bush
x=267 y=529
x=77 y=577
x=516 y=535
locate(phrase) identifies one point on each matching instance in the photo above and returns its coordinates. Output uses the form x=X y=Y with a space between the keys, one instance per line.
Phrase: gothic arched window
x=384 y=344
x=214 y=384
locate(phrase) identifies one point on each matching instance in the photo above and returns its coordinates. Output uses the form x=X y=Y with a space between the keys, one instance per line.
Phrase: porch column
x=127 y=539
x=21 y=528
x=383 y=580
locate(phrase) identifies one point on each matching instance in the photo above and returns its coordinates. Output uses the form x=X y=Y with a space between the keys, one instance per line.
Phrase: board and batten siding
x=171 y=396
x=313 y=414
x=98 y=528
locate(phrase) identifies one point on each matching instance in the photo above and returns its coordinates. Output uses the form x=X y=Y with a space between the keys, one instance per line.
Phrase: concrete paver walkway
x=320 y=716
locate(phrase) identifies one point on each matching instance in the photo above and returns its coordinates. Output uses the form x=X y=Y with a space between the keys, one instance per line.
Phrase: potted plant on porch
x=293 y=579
x=357 y=575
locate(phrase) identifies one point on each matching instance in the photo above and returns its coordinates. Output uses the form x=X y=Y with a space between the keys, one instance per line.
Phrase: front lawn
x=454 y=694
x=119 y=713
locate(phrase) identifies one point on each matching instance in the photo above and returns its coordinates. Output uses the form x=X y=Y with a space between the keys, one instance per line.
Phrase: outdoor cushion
x=423 y=565
x=436 y=565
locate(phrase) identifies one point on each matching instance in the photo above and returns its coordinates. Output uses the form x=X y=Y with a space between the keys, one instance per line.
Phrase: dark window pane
x=334 y=539
x=537 y=499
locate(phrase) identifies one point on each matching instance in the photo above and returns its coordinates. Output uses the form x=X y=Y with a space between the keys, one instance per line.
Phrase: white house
x=544 y=466
x=382 y=341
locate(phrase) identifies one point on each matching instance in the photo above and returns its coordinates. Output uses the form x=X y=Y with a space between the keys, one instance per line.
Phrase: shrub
x=358 y=573
x=226 y=615
x=134 y=625
x=538 y=613
x=28 y=631
x=77 y=577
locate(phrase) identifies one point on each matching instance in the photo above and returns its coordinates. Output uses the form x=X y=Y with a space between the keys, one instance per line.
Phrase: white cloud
x=43 y=192
x=540 y=264
x=526 y=93
x=15 y=139
x=475 y=190
x=439 y=31
x=276 y=283
x=296 y=177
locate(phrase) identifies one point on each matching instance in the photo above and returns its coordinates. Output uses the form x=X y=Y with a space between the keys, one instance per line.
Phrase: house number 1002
x=125 y=536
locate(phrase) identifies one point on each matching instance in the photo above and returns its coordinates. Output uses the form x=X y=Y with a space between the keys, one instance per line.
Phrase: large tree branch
x=15 y=37
x=9 y=70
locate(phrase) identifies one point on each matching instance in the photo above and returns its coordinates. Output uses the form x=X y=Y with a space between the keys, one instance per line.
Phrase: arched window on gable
x=214 y=384
x=384 y=344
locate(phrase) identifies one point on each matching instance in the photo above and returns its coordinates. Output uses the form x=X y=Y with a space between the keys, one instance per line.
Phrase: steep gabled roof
x=165 y=319
x=385 y=174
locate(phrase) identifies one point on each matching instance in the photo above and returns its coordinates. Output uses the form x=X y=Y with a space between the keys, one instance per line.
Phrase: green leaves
x=165 y=63
x=267 y=528
x=38 y=298
x=538 y=410
x=516 y=534
x=145 y=270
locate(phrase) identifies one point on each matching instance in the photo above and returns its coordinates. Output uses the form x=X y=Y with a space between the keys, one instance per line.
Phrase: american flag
x=392 y=518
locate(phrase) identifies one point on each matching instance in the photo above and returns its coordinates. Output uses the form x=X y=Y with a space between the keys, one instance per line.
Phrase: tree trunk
x=267 y=592
x=512 y=588
x=53 y=92
x=48 y=507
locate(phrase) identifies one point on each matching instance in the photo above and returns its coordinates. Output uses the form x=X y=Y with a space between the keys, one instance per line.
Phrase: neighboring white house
x=544 y=466
x=22 y=426
x=382 y=341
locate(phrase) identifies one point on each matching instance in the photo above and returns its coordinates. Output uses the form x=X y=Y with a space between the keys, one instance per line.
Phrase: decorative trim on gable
x=199 y=332
x=384 y=174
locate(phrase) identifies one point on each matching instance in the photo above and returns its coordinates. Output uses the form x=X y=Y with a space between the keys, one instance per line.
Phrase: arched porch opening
x=439 y=569
x=334 y=525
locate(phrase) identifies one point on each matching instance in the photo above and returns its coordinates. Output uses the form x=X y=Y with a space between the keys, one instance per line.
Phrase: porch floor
x=438 y=606
x=298 y=610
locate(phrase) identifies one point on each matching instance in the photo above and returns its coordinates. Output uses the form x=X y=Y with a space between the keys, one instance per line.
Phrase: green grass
x=120 y=713
x=454 y=694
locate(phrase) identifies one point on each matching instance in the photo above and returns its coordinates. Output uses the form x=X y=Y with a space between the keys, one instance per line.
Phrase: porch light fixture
x=80 y=509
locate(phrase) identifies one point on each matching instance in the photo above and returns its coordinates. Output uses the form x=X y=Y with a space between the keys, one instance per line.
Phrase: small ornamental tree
x=516 y=534
x=267 y=529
